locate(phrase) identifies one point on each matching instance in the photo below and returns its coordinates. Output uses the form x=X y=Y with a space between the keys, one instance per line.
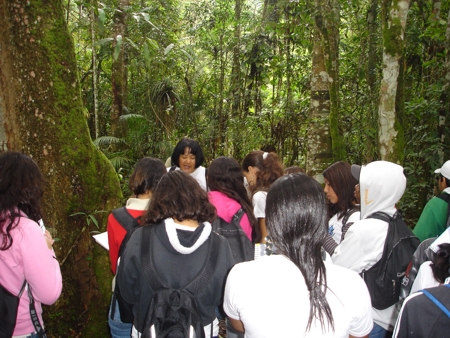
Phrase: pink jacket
x=29 y=258
x=227 y=208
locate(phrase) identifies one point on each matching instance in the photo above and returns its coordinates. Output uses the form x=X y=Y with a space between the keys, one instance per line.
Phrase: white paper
x=102 y=239
x=260 y=250
x=444 y=238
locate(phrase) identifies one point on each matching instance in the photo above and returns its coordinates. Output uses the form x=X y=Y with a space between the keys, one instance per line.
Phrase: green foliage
x=182 y=81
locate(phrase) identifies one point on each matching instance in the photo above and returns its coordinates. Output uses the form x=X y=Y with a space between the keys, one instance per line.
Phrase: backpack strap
x=446 y=197
x=238 y=215
x=125 y=219
x=34 y=317
x=436 y=301
x=345 y=225
x=128 y=222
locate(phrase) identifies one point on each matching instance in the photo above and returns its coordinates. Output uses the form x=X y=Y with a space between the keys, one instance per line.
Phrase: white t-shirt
x=259 y=204
x=270 y=297
x=424 y=278
x=335 y=225
x=199 y=174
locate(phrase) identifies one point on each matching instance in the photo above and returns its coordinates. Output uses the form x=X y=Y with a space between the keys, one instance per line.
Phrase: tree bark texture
x=444 y=97
x=327 y=19
x=390 y=133
x=41 y=115
x=319 y=155
x=119 y=71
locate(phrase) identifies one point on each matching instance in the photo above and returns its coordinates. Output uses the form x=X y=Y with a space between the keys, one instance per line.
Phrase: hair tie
x=265 y=155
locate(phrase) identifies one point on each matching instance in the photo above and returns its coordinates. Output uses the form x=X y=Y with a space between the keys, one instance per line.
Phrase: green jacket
x=432 y=221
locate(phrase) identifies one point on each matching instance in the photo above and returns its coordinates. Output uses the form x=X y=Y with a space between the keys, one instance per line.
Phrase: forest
x=87 y=88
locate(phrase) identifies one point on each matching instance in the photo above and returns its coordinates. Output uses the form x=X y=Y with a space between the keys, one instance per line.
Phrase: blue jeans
x=117 y=328
x=377 y=331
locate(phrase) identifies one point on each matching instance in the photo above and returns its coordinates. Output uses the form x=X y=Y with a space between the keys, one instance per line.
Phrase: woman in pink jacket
x=228 y=193
x=25 y=249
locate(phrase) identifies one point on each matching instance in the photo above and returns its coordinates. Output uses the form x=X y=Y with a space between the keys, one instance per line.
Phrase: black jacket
x=175 y=268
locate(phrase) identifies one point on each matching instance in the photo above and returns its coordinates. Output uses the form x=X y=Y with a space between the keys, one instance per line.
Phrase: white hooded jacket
x=382 y=184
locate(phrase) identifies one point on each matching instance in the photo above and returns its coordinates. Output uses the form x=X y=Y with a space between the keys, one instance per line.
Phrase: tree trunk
x=444 y=97
x=319 y=155
x=41 y=115
x=372 y=75
x=94 y=69
x=390 y=132
x=236 y=81
x=327 y=21
x=119 y=70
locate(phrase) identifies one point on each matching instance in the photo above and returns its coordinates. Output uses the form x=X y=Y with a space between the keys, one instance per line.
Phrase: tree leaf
x=131 y=42
x=187 y=54
x=103 y=41
x=153 y=43
x=168 y=48
x=94 y=220
x=117 y=48
x=107 y=141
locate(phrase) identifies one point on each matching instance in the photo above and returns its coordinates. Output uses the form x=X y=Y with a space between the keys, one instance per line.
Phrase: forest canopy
x=242 y=75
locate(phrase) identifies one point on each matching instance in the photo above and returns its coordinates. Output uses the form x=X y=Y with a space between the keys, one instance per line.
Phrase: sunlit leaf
x=187 y=54
x=107 y=140
x=103 y=41
x=168 y=48
x=132 y=44
x=117 y=48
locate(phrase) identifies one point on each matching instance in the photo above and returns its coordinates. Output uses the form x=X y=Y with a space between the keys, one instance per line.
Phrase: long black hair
x=297 y=222
x=441 y=263
x=21 y=189
x=225 y=175
x=340 y=176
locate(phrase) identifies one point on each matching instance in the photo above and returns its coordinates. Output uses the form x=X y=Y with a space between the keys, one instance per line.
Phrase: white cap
x=444 y=170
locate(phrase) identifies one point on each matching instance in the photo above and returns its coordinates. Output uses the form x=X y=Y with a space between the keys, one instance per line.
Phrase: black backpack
x=240 y=245
x=129 y=223
x=385 y=277
x=173 y=313
x=422 y=254
x=446 y=197
x=9 y=305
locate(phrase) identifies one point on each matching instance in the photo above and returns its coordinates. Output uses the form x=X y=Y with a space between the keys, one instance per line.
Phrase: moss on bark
x=43 y=114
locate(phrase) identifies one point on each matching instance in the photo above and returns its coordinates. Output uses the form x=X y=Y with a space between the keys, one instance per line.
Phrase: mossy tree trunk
x=119 y=72
x=327 y=19
x=41 y=115
x=319 y=155
x=390 y=131
x=444 y=97
x=370 y=124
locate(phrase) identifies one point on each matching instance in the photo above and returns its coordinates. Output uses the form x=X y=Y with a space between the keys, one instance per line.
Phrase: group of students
x=310 y=286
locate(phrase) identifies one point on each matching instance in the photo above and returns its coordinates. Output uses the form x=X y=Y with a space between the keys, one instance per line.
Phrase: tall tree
x=42 y=116
x=327 y=19
x=319 y=155
x=390 y=134
x=119 y=69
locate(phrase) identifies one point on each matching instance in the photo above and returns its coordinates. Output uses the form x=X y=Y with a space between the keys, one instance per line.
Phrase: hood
x=381 y=184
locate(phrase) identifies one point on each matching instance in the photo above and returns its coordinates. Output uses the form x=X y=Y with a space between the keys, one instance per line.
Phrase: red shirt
x=116 y=234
